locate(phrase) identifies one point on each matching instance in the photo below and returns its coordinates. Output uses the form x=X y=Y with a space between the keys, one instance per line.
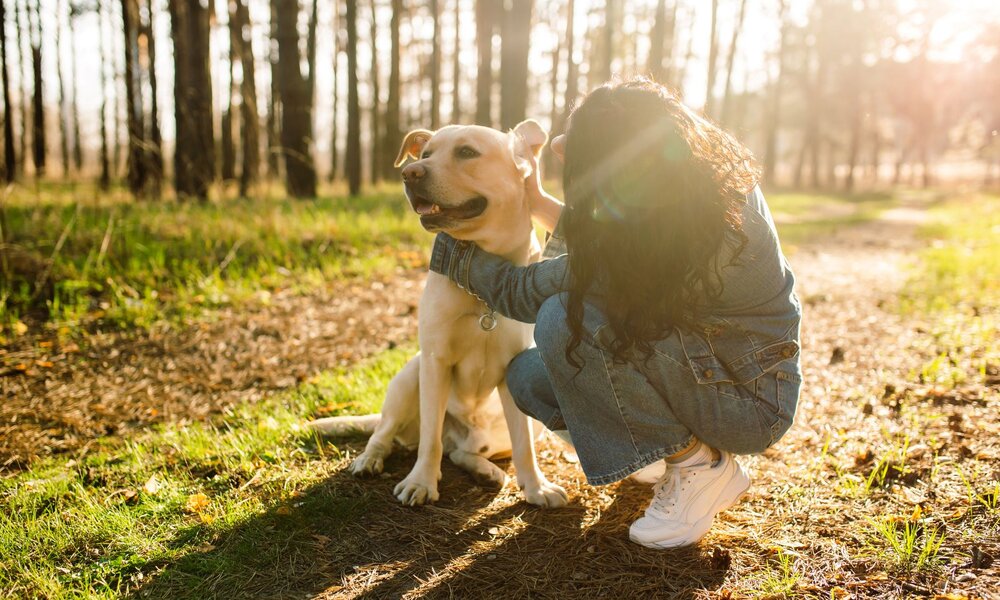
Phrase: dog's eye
x=426 y=154
x=466 y=152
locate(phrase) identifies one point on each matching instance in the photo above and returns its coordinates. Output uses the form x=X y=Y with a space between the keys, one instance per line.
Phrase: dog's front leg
x=420 y=485
x=537 y=489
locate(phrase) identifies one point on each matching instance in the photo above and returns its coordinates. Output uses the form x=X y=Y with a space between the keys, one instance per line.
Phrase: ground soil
x=858 y=360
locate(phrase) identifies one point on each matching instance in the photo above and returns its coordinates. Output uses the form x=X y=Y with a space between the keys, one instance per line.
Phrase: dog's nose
x=413 y=173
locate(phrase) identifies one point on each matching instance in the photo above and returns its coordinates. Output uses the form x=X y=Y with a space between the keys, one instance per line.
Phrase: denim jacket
x=750 y=328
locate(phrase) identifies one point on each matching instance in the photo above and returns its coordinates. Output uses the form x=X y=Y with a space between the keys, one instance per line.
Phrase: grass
x=129 y=264
x=75 y=259
x=97 y=527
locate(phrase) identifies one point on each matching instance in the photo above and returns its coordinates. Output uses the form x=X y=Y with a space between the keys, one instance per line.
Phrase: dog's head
x=469 y=180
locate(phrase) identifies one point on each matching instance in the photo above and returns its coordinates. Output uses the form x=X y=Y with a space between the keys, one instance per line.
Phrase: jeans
x=624 y=415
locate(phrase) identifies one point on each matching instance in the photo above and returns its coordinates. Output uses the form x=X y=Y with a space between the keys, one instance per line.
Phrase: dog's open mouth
x=432 y=212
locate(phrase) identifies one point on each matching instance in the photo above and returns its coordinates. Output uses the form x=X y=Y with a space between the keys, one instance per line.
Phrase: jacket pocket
x=708 y=368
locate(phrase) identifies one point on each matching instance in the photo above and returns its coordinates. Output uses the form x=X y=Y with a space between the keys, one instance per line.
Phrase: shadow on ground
x=350 y=538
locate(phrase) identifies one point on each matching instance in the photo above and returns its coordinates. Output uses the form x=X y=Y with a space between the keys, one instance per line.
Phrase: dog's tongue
x=424 y=208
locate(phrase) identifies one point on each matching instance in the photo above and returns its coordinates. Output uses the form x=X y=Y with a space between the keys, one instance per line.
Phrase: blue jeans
x=623 y=416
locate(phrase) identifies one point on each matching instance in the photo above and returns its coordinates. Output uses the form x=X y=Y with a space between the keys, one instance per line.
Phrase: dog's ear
x=527 y=141
x=413 y=145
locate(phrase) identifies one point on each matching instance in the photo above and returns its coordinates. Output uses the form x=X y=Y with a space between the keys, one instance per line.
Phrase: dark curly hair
x=654 y=193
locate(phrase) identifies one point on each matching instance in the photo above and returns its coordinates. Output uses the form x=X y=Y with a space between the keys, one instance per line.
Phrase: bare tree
x=456 y=67
x=611 y=21
x=486 y=22
x=515 y=41
x=335 y=101
x=375 y=121
x=9 y=156
x=137 y=164
x=240 y=34
x=393 y=134
x=38 y=103
x=435 y=66
x=274 y=100
x=105 y=178
x=63 y=125
x=228 y=146
x=727 y=98
x=353 y=156
x=296 y=102
x=154 y=147
x=773 y=120
x=713 y=54
x=22 y=53
x=74 y=111
x=194 y=159
x=572 y=68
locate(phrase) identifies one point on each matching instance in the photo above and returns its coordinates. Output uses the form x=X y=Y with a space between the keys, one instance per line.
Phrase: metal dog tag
x=487 y=322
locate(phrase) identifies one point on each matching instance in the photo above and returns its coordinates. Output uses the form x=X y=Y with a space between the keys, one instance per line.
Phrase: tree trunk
x=435 y=66
x=63 y=122
x=655 y=63
x=22 y=31
x=194 y=157
x=105 y=179
x=274 y=101
x=727 y=98
x=134 y=113
x=713 y=54
x=335 y=102
x=486 y=11
x=515 y=42
x=393 y=135
x=353 y=155
x=74 y=111
x=456 y=68
x=154 y=147
x=550 y=163
x=572 y=69
x=9 y=156
x=249 y=117
x=376 y=135
x=605 y=65
x=296 y=105
x=228 y=146
x=774 y=111
x=38 y=105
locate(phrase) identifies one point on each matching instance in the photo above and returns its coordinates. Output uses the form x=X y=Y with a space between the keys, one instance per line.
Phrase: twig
x=107 y=238
x=225 y=261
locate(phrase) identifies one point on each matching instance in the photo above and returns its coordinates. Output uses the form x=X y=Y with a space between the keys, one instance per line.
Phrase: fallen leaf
x=19 y=328
x=196 y=503
x=44 y=344
x=45 y=364
x=153 y=485
x=283 y=510
x=838 y=592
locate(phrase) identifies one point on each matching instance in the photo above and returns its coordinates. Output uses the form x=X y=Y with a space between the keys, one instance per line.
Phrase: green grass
x=802 y=217
x=129 y=264
x=955 y=287
x=96 y=527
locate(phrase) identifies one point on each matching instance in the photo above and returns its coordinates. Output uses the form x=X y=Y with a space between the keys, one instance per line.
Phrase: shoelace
x=666 y=490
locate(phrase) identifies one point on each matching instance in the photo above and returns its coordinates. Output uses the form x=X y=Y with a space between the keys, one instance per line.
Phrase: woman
x=667 y=333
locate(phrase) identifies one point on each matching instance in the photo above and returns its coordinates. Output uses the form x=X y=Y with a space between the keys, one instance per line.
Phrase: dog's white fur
x=450 y=396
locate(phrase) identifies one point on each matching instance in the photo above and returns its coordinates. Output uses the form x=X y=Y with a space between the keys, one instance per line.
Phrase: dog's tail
x=334 y=426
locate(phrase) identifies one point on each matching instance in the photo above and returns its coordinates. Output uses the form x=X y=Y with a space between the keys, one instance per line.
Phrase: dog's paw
x=546 y=494
x=414 y=491
x=367 y=463
x=490 y=477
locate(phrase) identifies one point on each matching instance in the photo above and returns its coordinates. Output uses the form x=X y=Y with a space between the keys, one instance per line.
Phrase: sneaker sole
x=730 y=496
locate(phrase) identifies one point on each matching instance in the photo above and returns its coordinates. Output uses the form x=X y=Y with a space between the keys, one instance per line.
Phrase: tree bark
x=656 y=41
x=38 y=104
x=605 y=65
x=335 y=101
x=515 y=42
x=393 y=135
x=274 y=101
x=9 y=155
x=249 y=117
x=486 y=11
x=435 y=66
x=727 y=98
x=572 y=69
x=134 y=113
x=74 y=111
x=774 y=110
x=376 y=132
x=353 y=155
x=228 y=146
x=456 y=68
x=63 y=121
x=296 y=105
x=22 y=31
x=194 y=158
x=105 y=178
x=154 y=146
x=713 y=54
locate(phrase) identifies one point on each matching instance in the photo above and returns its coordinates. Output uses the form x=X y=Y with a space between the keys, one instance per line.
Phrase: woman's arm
x=545 y=210
x=515 y=292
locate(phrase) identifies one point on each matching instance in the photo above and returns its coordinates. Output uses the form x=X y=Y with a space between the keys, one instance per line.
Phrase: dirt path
x=58 y=399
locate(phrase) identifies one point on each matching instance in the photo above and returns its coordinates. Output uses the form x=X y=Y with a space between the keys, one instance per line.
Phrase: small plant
x=907 y=544
x=990 y=499
x=782 y=580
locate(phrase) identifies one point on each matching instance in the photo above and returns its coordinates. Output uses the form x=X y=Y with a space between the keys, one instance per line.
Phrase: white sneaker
x=686 y=500
x=651 y=473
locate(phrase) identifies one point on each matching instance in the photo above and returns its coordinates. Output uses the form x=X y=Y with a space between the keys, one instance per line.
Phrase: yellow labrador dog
x=451 y=397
